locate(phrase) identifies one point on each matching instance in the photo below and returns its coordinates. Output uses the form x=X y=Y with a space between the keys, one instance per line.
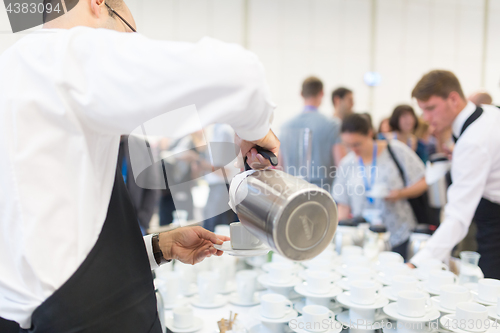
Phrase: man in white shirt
x=475 y=171
x=71 y=254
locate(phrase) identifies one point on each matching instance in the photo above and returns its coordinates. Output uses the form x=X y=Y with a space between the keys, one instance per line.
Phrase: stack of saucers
x=364 y=304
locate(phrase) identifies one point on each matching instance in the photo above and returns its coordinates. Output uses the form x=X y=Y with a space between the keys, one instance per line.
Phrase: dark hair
x=311 y=87
x=340 y=93
x=355 y=123
x=437 y=83
x=398 y=112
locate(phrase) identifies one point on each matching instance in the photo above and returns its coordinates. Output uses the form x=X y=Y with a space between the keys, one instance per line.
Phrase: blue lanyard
x=309 y=108
x=124 y=169
x=368 y=187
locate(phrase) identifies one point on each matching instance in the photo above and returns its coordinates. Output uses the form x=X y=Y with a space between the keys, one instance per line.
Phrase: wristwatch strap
x=158 y=254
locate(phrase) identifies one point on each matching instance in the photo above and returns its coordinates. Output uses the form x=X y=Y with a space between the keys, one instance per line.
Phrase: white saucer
x=261 y=328
x=448 y=322
x=344 y=299
x=392 y=311
x=344 y=284
x=346 y=321
x=335 y=307
x=230 y=287
x=393 y=328
x=227 y=248
x=436 y=301
x=386 y=281
x=334 y=264
x=333 y=326
x=197 y=325
x=492 y=312
x=180 y=301
x=264 y=280
x=480 y=301
x=420 y=274
x=193 y=289
x=219 y=302
x=255 y=312
x=234 y=299
x=257 y=261
x=387 y=293
x=431 y=291
x=302 y=290
x=296 y=267
x=303 y=275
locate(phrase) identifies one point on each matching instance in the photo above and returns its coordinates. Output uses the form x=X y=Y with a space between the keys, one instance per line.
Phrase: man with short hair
x=475 y=170
x=326 y=147
x=72 y=257
x=343 y=102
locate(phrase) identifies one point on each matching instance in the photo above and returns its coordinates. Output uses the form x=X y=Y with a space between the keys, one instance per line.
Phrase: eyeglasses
x=121 y=18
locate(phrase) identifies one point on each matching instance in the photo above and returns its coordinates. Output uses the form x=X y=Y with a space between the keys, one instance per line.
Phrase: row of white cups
x=366 y=288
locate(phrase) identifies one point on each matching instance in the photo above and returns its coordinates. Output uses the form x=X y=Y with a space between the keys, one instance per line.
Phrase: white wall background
x=338 y=41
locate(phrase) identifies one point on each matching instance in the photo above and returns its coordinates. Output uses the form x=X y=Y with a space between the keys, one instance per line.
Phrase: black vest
x=112 y=290
x=487 y=218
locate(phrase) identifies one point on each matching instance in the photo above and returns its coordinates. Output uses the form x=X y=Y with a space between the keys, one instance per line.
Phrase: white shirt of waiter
x=475 y=171
x=63 y=107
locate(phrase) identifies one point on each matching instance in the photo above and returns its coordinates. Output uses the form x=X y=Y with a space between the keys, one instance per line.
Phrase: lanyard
x=368 y=187
x=310 y=108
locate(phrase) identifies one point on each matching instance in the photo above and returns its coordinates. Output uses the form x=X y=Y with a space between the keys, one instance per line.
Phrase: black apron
x=487 y=218
x=112 y=290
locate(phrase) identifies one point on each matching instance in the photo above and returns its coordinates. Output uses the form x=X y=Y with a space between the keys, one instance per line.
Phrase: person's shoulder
x=348 y=160
x=399 y=148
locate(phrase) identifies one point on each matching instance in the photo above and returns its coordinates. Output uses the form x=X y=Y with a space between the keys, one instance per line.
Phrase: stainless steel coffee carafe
x=293 y=217
x=438 y=186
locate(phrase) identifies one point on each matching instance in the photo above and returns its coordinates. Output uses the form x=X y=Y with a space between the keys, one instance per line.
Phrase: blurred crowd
x=373 y=172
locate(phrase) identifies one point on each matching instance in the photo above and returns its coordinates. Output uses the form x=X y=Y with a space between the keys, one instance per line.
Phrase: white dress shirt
x=65 y=98
x=475 y=171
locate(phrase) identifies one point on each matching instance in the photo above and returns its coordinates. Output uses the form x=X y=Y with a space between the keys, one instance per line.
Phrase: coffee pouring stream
x=295 y=218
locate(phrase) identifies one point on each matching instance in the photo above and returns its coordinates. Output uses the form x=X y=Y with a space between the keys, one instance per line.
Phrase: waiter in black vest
x=475 y=171
x=72 y=258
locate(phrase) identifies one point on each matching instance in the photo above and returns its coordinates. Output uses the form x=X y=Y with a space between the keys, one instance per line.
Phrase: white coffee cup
x=430 y=265
x=327 y=255
x=241 y=238
x=275 y=306
x=319 y=282
x=358 y=273
x=317 y=318
x=187 y=276
x=320 y=265
x=363 y=292
x=402 y=283
x=488 y=290
x=413 y=303
x=183 y=316
x=207 y=287
x=438 y=278
x=169 y=286
x=386 y=257
x=223 y=230
x=281 y=272
x=318 y=301
x=395 y=268
x=475 y=316
x=246 y=284
x=363 y=315
x=451 y=294
x=351 y=249
x=356 y=260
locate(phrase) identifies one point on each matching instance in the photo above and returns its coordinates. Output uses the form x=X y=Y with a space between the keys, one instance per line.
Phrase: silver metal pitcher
x=438 y=185
x=293 y=217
